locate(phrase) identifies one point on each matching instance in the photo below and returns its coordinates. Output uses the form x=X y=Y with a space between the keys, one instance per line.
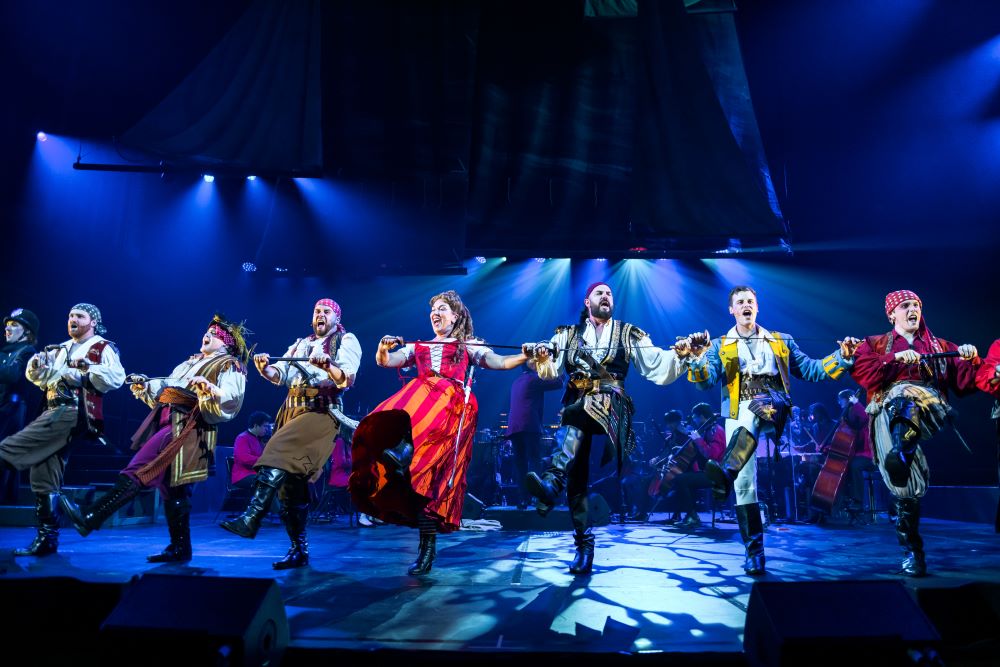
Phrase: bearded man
x=325 y=365
x=596 y=353
x=75 y=375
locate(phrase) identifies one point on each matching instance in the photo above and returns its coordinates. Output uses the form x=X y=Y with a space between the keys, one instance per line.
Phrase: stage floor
x=654 y=588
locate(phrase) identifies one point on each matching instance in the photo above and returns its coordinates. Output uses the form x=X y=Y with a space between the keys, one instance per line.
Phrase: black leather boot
x=549 y=486
x=124 y=490
x=398 y=458
x=46 y=540
x=752 y=534
x=742 y=446
x=583 y=535
x=295 y=518
x=178 y=513
x=268 y=481
x=427 y=549
x=294 y=514
x=907 y=532
x=583 y=562
x=905 y=431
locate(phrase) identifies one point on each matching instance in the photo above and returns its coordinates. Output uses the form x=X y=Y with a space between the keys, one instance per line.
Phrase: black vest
x=616 y=360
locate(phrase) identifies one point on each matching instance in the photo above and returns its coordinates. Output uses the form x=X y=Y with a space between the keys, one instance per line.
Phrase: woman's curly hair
x=463 y=329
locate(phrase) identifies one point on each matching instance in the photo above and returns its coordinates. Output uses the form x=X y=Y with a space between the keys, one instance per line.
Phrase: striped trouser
x=931 y=413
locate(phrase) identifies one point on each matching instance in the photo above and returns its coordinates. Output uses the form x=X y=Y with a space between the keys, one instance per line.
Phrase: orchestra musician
x=674 y=437
x=796 y=437
x=705 y=440
x=820 y=430
x=856 y=418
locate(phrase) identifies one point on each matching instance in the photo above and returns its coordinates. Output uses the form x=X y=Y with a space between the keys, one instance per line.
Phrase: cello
x=831 y=476
x=679 y=461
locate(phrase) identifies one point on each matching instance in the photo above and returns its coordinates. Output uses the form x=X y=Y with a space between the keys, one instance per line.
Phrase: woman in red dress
x=411 y=454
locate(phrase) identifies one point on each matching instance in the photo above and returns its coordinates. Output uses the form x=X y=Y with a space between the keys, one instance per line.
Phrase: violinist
x=709 y=439
x=674 y=436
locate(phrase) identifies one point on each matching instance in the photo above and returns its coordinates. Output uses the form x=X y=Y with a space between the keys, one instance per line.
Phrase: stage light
x=480 y=259
x=41 y=136
x=249 y=267
x=251 y=177
x=734 y=248
x=540 y=260
x=503 y=259
x=208 y=178
x=280 y=269
x=601 y=259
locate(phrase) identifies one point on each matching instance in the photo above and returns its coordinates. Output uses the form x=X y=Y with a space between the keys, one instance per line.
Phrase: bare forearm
x=504 y=363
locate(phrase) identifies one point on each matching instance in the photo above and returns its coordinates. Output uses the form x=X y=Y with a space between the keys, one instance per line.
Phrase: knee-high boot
x=46 y=540
x=124 y=490
x=268 y=481
x=752 y=534
x=295 y=516
x=178 y=513
x=583 y=534
x=742 y=446
x=549 y=486
x=428 y=547
x=905 y=432
x=908 y=534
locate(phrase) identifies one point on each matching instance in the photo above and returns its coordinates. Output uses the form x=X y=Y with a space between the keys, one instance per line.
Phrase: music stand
x=769 y=517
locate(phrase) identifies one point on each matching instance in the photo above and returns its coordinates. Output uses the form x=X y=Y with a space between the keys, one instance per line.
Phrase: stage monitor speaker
x=835 y=623
x=57 y=619
x=180 y=620
x=967 y=617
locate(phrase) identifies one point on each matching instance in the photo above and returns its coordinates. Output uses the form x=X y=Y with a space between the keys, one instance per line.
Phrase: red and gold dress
x=430 y=408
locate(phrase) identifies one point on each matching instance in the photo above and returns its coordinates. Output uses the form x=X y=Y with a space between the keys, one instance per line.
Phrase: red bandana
x=335 y=307
x=594 y=286
x=893 y=299
x=222 y=335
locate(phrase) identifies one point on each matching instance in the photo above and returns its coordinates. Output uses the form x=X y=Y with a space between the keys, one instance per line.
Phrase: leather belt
x=313 y=392
x=755 y=385
x=60 y=401
x=594 y=385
